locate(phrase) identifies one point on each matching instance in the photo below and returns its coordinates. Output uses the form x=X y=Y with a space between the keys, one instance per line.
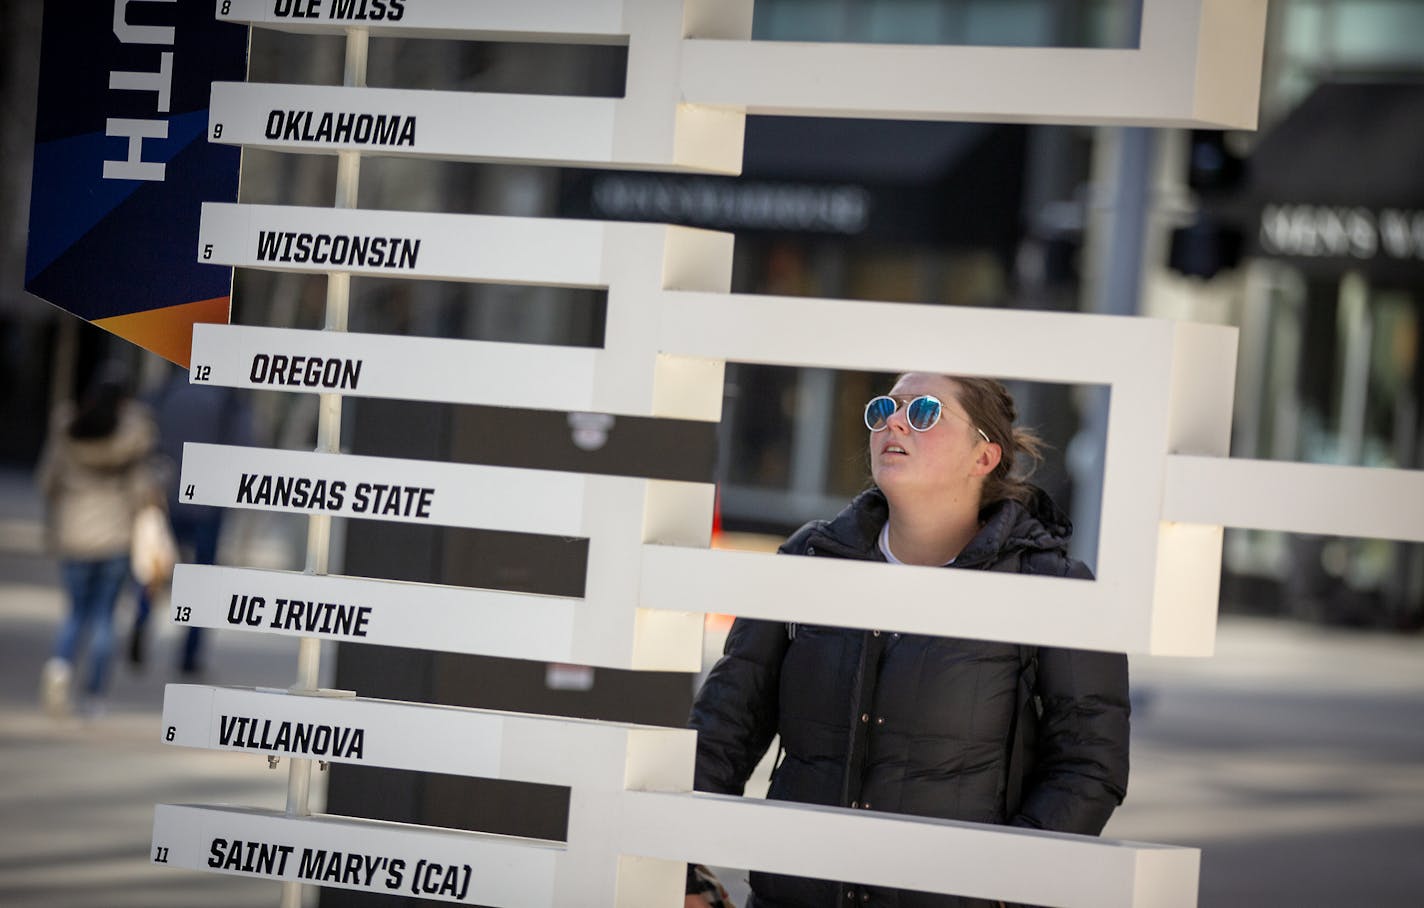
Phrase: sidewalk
x=1294 y=759
x=76 y=796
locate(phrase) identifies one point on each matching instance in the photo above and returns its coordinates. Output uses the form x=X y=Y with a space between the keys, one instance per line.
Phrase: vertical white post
x=328 y=440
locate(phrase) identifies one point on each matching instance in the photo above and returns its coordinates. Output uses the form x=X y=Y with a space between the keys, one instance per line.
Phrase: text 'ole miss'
x=341 y=10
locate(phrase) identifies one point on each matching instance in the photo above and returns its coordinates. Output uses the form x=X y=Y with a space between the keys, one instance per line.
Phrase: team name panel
x=382 y=612
x=455 y=247
x=451 y=126
x=585 y=22
x=453 y=740
x=390 y=858
x=394 y=366
x=411 y=491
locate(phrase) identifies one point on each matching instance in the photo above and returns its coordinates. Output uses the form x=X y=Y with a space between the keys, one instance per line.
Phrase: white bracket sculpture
x=692 y=76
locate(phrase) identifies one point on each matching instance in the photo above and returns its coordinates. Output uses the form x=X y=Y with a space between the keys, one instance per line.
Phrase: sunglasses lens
x=923 y=413
x=878 y=412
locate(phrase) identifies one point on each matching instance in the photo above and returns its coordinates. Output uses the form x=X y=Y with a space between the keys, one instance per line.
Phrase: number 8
x=226 y=7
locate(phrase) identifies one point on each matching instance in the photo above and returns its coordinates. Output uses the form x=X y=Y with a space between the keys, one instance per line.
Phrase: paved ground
x=1294 y=759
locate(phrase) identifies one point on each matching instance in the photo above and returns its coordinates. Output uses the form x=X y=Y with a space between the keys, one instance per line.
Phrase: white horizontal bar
x=464 y=742
x=907 y=337
x=460 y=126
x=424 y=616
x=918 y=853
x=450 y=125
x=1326 y=499
x=394 y=858
x=1017 y=608
x=392 y=366
x=585 y=22
x=379 y=488
x=455 y=247
x=1198 y=65
x=607 y=630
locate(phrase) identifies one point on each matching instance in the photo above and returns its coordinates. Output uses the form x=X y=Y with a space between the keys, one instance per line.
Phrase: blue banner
x=123 y=165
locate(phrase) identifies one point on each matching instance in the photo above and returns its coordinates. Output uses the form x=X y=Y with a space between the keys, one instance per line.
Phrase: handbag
x=153 y=551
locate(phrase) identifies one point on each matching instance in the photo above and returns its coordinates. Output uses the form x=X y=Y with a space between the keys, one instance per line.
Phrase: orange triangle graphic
x=168 y=331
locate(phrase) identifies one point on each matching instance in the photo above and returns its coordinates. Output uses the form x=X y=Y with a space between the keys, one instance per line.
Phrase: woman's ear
x=988 y=460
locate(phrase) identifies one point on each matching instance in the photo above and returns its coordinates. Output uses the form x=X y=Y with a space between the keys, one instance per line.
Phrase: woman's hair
x=98 y=412
x=991 y=407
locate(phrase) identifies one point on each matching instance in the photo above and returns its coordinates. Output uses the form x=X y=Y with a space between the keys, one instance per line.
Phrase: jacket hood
x=1006 y=526
x=131 y=440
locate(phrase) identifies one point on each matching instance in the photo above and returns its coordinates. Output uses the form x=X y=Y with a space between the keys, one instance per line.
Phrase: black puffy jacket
x=915 y=724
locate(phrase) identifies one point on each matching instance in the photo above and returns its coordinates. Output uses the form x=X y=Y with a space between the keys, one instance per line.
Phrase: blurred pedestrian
x=95 y=475
x=197 y=413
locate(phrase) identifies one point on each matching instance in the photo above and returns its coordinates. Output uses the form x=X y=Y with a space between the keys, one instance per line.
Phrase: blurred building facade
x=1308 y=235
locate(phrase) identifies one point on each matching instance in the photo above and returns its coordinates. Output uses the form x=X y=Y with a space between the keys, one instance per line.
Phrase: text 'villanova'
x=293 y=737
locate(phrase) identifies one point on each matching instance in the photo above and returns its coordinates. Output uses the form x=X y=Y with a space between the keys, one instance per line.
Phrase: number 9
x=217 y=130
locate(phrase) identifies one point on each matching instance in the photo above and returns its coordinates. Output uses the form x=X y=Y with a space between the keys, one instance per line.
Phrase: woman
x=968 y=730
x=95 y=476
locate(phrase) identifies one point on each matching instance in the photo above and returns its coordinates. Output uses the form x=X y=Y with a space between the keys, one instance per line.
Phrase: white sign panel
x=456 y=247
x=606 y=628
x=382 y=612
x=404 y=368
x=389 y=858
x=444 y=739
x=512 y=499
x=585 y=22
x=444 y=124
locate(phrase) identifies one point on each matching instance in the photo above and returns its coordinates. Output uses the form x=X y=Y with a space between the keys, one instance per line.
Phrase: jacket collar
x=1006 y=526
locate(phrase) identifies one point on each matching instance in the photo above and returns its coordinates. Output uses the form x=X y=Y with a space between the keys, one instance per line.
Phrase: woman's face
x=946 y=458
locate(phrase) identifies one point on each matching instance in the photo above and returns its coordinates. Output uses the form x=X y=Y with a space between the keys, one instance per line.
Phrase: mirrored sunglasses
x=922 y=413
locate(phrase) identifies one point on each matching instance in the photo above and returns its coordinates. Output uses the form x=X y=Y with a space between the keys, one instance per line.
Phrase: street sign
x=123 y=163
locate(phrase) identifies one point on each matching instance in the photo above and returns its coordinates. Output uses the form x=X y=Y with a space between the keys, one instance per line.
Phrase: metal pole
x=338 y=305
